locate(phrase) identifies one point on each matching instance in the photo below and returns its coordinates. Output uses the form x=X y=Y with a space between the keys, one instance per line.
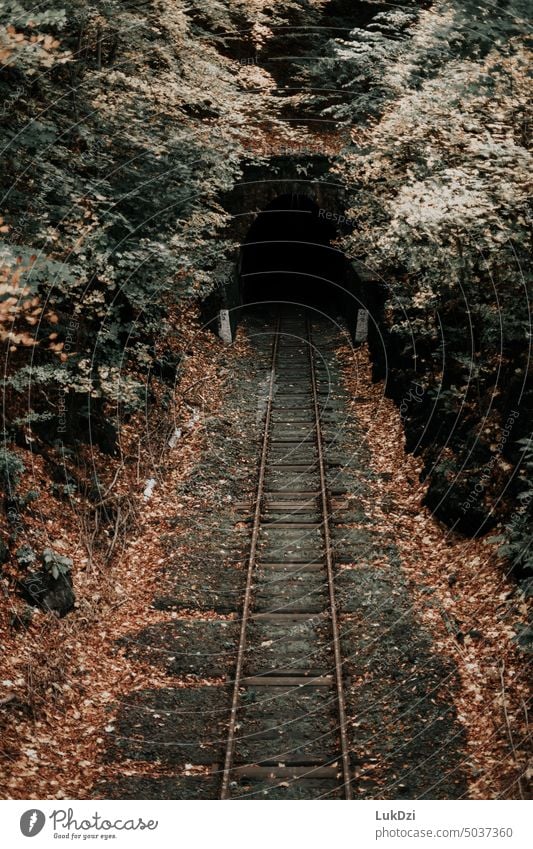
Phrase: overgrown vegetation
x=120 y=136
x=122 y=125
x=439 y=175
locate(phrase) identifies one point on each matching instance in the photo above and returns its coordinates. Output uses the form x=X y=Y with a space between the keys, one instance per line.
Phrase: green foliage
x=32 y=418
x=439 y=185
x=66 y=490
x=56 y=564
x=111 y=180
x=11 y=468
x=21 y=15
x=25 y=556
x=353 y=71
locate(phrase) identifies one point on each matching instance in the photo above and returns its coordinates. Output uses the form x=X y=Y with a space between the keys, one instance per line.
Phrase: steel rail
x=230 y=746
x=345 y=749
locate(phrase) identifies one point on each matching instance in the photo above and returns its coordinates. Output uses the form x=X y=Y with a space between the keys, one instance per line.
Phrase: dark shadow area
x=288 y=256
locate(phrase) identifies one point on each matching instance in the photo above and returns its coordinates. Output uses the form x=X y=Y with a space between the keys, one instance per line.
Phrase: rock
x=41 y=589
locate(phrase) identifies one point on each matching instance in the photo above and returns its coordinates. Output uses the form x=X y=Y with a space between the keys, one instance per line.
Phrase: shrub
x=56 y=564
x=11 y=468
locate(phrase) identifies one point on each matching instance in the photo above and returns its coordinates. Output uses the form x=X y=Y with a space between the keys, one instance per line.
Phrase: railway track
x=288 y=717
x=302 y=669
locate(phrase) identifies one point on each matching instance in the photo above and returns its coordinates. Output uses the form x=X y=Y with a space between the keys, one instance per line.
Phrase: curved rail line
x=299 y=408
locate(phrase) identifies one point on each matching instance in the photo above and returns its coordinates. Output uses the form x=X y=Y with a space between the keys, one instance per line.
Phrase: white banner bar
x=257 y=824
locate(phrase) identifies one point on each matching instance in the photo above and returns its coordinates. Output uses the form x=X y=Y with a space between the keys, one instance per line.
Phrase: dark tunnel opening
x=288 y=256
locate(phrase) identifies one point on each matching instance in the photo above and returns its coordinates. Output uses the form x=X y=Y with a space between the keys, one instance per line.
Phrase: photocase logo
x=32 y=822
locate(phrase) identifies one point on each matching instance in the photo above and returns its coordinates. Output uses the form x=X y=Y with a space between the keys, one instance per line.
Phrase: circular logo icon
x=32 y=822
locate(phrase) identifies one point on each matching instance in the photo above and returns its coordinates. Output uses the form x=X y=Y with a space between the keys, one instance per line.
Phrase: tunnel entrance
x=288 y=256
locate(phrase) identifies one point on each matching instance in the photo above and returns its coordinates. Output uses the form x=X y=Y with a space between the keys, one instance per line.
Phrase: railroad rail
x=288 y=718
